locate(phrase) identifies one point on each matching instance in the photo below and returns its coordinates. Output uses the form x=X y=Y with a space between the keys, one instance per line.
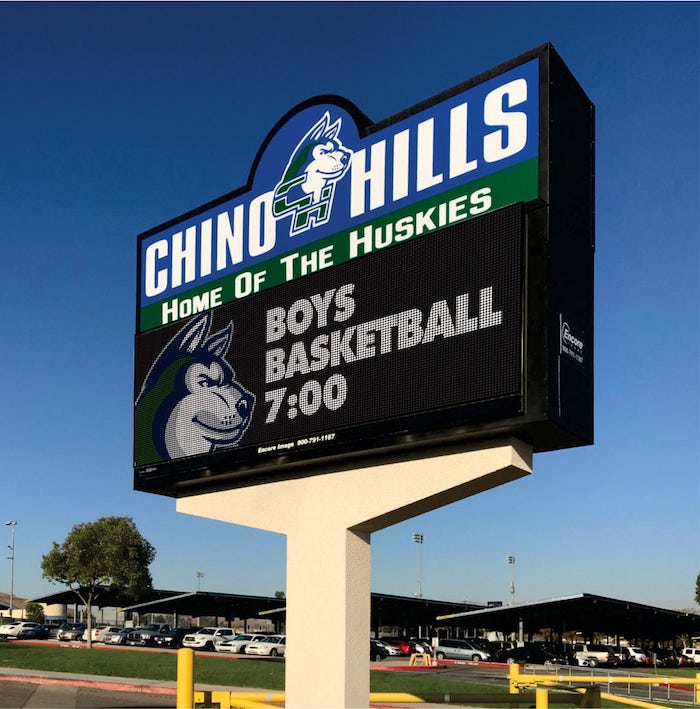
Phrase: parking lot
x=30 y=688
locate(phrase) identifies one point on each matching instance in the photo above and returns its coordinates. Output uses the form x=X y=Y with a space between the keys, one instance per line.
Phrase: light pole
x=418 y=539
x=12 y=523
x=511 y=560
x=199 y=576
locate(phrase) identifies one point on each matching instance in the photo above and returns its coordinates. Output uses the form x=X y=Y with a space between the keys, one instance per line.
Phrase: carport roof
x=196 y=603
x=584 y=612
x=387 y=609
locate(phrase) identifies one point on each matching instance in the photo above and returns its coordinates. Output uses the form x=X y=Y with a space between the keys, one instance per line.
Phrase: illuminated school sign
x=376 y=287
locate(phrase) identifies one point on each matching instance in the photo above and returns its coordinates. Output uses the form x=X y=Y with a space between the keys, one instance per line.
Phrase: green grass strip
x=224 y=670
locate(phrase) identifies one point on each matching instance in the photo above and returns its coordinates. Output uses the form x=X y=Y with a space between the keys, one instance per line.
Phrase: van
x=460 y=650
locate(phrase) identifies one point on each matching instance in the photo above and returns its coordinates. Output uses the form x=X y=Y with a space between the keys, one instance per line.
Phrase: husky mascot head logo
x=191 y=402
x=307 y=187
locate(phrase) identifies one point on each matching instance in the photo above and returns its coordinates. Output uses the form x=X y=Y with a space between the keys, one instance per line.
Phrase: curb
x=90 y=684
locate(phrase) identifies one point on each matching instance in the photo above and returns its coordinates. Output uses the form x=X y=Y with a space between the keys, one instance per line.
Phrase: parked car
x=38 y=632
x=72 y=631
x=591 y=655
x=272 y=645
x=460 y=650
x=98 y=634
x=631 y=656
x=391 y=649
x=95 y=631
x=53 y=629
x=535 y=655
x=501 y=648
x=14 y=628
x=665 y=657
x=144 y=636
x=377 y=651
x=238 y=643
x=406 y=647
x=116 y=637
x=692 y=653
x=171 y=638
x=204 y=638
x=685 y=661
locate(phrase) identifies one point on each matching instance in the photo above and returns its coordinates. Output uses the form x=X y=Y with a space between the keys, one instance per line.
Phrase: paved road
x=33 y=688
x=16 y=695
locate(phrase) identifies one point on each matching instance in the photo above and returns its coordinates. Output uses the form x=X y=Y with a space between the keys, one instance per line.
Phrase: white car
x=391 y=649
x=238 y=643
x=98 y=634
x=272 y=645
x=205 y=638
x=14 y=628
x=632 y=655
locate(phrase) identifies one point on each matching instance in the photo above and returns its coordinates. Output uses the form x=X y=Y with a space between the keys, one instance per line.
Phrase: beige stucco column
x=328 y=520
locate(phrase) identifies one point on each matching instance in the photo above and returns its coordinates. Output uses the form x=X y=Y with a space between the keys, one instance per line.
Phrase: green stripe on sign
x=516 y=184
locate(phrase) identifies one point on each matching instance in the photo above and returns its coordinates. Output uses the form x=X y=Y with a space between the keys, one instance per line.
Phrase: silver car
x=117 y=637
x=460 y=650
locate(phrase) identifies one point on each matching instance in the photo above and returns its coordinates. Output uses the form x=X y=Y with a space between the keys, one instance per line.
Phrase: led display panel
x=398 y=339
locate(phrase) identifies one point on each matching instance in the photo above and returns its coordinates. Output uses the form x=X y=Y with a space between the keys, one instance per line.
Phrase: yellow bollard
x=697 y=688
x=513 y=677
x=541 y=698
x=185 y=678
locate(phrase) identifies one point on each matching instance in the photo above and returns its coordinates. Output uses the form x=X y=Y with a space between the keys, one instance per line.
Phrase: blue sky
x=118 y=117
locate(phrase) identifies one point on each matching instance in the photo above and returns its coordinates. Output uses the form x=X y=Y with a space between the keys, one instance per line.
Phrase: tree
x=697 y=590
x=34 y=612
x=101 y=556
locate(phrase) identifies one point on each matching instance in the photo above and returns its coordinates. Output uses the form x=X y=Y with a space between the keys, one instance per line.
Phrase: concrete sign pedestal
x=328 y=520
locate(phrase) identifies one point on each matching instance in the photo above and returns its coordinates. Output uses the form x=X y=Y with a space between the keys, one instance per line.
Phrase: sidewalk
x=153 y=688
x=116 y=684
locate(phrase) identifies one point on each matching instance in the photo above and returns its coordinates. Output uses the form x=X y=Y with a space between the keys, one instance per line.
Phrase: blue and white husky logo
x=191 y=402
x=306 y=190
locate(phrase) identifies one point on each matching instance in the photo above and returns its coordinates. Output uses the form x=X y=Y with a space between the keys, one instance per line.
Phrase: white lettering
x=262 y=225
x=229 y=240
x=156 y=281
x=459 y=161
x=360 y=175
x=183 y=257
x=487 y=318
x=425 y=177
x=501 y=144
x=401 y=162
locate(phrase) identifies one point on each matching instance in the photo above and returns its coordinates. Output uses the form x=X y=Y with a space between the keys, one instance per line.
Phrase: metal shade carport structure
x=386 y=610
x=107 y=597
x=415 y=615
x=222 y=606
x=585 y=613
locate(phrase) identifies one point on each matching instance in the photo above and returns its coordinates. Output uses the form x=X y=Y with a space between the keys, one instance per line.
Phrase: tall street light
x=12 y=523
x=418 y=539
x=511 y=560
x=199 y=575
